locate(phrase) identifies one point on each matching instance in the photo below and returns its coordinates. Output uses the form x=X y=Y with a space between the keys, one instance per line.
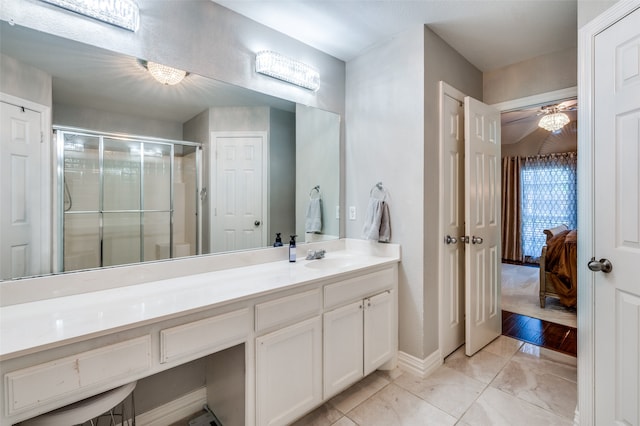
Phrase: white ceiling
x=489 y=33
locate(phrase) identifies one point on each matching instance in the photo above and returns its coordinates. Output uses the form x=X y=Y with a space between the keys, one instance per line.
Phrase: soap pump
x=292 y=248
x=278 y=242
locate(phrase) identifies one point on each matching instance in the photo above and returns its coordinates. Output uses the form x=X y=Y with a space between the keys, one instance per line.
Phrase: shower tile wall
x=122 y=174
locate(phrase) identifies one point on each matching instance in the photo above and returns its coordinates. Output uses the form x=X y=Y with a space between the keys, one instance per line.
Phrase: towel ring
x=315 y=188
x=379 y=189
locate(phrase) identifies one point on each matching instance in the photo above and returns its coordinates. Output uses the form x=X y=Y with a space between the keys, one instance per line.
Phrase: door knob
x=603 y=265
x=256 y=223
x=476 y=240
x=450 y=240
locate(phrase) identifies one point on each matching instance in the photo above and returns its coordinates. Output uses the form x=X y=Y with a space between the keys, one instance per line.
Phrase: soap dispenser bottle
x=292 y=248
x=278 y=242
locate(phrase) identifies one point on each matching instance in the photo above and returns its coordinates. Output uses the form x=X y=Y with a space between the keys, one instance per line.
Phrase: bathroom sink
x=332 y=263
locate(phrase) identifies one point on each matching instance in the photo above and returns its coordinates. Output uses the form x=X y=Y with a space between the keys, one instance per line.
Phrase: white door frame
x=586 y=203
x=48 y=215
x=213 y=170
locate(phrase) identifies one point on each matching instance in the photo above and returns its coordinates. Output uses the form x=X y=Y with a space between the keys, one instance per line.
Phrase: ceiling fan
x=530 y=114
x=554 y=116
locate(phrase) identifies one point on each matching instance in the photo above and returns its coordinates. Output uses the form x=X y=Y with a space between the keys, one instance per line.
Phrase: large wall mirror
x=141 y=171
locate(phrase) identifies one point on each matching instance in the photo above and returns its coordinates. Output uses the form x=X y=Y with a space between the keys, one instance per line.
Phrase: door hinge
x=41 y=137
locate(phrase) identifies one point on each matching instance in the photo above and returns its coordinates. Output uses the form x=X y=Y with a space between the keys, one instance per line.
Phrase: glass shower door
x=119 y=202
x=81 y=201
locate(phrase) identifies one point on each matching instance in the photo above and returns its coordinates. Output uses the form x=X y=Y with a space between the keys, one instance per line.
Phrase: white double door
x=470 y=310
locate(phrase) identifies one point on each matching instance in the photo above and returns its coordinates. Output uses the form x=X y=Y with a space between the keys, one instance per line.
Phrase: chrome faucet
x=315 y=254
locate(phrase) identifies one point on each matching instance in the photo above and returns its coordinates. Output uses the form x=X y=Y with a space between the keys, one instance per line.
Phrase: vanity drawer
x=204 y=337
x=51 y=381
x=287 y=309
x=359 y=287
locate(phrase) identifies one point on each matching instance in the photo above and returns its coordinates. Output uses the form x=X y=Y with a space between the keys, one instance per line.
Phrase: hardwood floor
x=542 y=333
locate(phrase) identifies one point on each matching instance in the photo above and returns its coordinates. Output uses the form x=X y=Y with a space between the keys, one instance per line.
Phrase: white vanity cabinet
x=358 y=338
x=288 y=357
x=289 y=372
x=279 y=339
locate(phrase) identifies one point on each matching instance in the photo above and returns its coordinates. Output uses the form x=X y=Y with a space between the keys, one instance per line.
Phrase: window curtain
x=511 y=217
x=549 y=198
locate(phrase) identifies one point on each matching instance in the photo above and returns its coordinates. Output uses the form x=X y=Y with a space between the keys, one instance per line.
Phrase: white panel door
x=617 y=222
x=452 y=222
x=343 y=347
x=483 y=314
x=239 y=201
x=21 y=192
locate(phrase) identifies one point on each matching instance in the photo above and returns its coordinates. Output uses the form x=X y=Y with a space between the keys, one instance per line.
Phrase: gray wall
x=24 y=81
x=542 y=74
x=385 y=143
x=392 y=136
x=223 y=47
x=317 y=160
x=442 y=63
x=112 y=122
x=589 y=9
x=280 y=127
x=282 y=174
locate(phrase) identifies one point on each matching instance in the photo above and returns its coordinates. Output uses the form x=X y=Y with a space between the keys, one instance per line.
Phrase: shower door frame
x=60 y=131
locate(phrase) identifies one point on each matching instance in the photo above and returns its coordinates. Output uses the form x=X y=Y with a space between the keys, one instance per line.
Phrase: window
x=549 y=199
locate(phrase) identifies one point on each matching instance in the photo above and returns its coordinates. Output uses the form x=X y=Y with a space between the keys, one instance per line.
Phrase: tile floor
x=509 y=382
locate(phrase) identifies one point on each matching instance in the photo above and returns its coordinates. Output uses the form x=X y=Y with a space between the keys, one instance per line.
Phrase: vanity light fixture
x=553 y=121
x=163 y=73
x=295 y=72
x=121 y=13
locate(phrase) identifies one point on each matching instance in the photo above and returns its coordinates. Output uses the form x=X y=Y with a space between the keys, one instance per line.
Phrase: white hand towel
x=372 y=219
x=313 y=220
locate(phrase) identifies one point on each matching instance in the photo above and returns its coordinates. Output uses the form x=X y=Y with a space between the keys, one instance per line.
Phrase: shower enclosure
x=125 y=199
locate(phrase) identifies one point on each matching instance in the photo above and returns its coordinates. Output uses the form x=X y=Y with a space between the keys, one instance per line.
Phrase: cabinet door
x=289 y=372
x=343 y=334
x=379 y=324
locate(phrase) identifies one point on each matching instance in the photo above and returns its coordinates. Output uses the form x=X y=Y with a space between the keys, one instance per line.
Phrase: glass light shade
x=121 y=13
x=554 y=121
x=166 y=75
x=286 y=69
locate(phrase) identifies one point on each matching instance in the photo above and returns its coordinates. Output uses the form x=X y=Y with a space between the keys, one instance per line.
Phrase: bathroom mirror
x=135 y=126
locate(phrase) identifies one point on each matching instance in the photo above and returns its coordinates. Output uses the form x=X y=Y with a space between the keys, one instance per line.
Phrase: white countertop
x=35 y=326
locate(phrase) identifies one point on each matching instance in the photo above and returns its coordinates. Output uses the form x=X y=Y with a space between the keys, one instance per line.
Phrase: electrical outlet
x=352 y=212
x=337 y=212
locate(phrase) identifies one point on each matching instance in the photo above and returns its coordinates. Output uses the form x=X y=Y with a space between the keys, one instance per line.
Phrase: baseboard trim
x=175 y=410
x=419 y=367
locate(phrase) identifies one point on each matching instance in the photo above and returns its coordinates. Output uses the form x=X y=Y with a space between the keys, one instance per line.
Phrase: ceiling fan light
x=166 y=75
x=553 y=122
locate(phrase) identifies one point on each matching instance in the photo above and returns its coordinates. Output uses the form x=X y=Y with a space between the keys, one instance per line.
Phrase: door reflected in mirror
x=144 y=195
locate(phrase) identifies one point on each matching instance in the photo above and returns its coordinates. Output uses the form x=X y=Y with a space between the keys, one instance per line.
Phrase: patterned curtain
x=511 y=217
x=549 y=198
